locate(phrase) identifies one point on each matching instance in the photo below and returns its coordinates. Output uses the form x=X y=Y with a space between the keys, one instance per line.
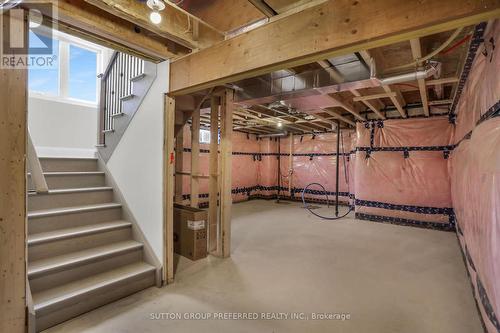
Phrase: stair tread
x=66 y=158
x=77 y=190
x=69 y=210
x=71 y=173
x=60 y=234
x=49 y=297
x=79 y=257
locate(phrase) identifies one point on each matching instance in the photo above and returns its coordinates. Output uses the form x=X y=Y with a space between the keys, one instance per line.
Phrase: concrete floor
x=387 y=278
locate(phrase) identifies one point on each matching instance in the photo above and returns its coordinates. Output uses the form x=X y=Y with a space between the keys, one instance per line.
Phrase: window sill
x=62 y=100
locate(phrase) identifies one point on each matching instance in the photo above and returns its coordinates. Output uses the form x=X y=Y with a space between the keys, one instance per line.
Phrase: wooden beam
x=263 y=7
x=346 y=106
x=444 y=80
x=332 y=28
x=13 y=127
x=416 y=52
x=173 y=26
x=195 y=158
x=368 y=103
x=108 y=30
x=340 y=117
x=213 y=174
x=226 y=149
x=395 y=101
x=168 y=191
x=364 y=98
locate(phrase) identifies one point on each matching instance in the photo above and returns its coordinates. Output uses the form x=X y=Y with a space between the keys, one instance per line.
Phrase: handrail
x=36 y=168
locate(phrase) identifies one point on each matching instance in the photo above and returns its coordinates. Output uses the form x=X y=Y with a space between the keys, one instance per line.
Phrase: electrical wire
x=432 y=54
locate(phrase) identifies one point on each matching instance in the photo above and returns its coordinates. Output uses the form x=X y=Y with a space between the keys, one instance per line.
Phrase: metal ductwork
x=273 y=135
x=413 y=76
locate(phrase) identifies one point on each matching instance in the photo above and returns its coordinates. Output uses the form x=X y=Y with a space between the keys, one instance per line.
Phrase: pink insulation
x=385 y=179
x=255 y=166
x=475 y=177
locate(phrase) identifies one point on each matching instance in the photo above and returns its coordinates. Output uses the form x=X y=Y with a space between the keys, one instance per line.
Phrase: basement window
x=73 y=76
x=204 y=136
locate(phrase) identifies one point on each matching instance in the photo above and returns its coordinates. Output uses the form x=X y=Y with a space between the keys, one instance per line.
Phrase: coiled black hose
x=306 y=206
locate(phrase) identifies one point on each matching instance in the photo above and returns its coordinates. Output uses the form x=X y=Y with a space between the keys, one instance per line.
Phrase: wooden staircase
x=81 y=253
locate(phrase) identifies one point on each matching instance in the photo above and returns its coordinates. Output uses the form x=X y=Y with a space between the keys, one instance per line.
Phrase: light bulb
x=155 y=17
x=280 y=124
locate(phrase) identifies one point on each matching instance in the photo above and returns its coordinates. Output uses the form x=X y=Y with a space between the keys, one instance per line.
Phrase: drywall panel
x=136 y=164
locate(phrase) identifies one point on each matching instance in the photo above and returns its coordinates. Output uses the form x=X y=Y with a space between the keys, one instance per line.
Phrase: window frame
x=63 y=60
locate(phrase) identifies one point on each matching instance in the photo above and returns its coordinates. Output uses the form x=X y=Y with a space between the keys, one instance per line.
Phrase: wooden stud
x=225 y=164
x=195 y=158
x=168 y=192
x=13 y=129
x=213 y=174
x=179 y=163
x=290 y=164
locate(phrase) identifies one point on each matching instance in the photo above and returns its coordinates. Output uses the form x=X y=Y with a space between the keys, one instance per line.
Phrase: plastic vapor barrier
x=401 y=172
x=475 y=176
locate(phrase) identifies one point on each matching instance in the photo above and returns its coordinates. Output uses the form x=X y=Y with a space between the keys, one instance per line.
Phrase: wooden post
x=213 y=174
x=290 y=165
x=179 y=160
x=13 y=118
x=195 y=158
x=37 y=176
x=226 y=155
x=168 y=192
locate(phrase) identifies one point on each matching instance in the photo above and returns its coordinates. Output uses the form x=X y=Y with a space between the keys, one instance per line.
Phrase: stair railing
x=37 y=176
x=116 y=87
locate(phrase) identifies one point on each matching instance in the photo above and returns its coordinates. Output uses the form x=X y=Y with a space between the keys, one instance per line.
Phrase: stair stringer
x=129 y=107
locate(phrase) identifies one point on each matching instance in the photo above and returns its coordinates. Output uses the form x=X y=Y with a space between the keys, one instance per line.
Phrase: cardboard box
x=190 y=232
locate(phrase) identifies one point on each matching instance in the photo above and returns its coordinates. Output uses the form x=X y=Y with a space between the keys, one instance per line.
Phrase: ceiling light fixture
x=156 y=6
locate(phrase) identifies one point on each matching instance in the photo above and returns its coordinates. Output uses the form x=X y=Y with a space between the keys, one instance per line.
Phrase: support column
x=13 y=129
x=213 y=181
x=226 y=150
x=195 y=158
x=168 y=192
x=290 y=165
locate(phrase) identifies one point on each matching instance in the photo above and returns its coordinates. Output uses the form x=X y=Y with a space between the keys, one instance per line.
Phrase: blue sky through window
x=82 y=74
x=44 y=79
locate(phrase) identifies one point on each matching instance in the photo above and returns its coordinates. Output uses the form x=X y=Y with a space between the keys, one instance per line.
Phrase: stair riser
x=71 y=181
x=78 y=305
x=50 y=223
x=69 y=274
x=48 y=201
x=60 y=247
x=62 y=164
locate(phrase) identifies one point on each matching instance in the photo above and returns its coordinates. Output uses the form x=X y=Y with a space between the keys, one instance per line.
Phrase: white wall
x=61 y=128
x=137 y=164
